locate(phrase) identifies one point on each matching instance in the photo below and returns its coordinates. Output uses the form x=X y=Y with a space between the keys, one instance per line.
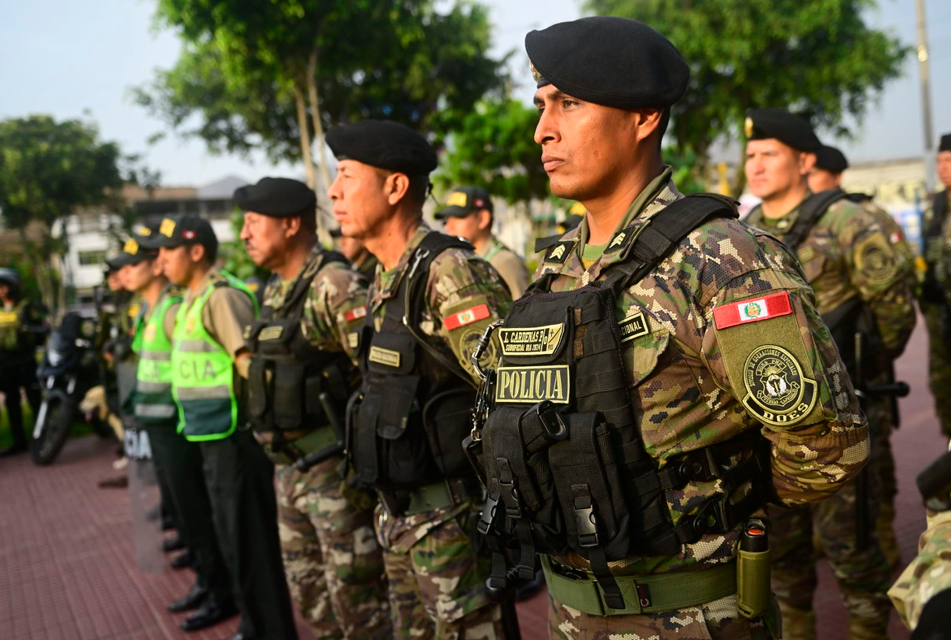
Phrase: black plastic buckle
x=586 y=525
x=712 y=513
x=548 y=415
x=488 y=515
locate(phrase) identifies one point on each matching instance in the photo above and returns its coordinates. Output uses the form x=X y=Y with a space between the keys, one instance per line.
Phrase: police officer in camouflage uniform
x=854 y=269
x=301 y=376
x=826 y=175
x=932 y=296
x=429 y=301
x=468 y=214
x=20 y=320
x=704 y=345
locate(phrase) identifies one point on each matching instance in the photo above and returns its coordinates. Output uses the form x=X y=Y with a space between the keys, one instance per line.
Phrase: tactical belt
x=642 y=594
x=316 y=440
x=439 y=495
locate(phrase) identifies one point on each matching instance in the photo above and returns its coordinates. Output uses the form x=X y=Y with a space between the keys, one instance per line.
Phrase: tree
x=276 y=74
x=48 y=170
x=815 y=57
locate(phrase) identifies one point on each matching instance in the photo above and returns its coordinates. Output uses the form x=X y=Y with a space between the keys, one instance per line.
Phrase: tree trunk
x=304 y=135
x=318 y=140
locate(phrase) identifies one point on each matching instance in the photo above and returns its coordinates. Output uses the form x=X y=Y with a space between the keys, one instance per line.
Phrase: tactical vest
x=407 y=426
x=203 y=372
x=153 y=388
x=565 y=464
x=289 y=380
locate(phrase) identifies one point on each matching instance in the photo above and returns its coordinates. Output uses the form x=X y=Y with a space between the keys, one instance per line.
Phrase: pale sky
x=64 y=58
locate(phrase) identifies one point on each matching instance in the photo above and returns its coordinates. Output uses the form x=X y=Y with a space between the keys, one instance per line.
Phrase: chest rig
x=292 y=385
x=407 y=425
x=565 y=466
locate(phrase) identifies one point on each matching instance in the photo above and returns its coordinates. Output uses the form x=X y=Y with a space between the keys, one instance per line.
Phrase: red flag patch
x=355 y=314
x=468 y=316
x=754 y=310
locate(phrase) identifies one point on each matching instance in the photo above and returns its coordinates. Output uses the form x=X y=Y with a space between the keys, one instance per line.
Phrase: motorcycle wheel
x=57 y=416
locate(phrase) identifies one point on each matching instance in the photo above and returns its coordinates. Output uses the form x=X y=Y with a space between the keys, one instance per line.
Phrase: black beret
x=276 y=197
x=945 y=143
x=611 y=61
x=464 y=200
x=791 y=130
x=383 y=144
x=831 y=159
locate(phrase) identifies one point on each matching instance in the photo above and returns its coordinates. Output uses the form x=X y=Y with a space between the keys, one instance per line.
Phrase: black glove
x=935 y=620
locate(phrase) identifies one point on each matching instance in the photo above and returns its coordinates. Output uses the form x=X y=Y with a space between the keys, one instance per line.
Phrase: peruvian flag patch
x=468 y=316
x=730 y=315
x=355 y=314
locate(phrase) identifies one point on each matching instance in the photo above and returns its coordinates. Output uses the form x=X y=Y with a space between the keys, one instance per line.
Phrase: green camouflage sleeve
x=335 y=309
x=875 y=268
x=771 y=350
x=465 y=295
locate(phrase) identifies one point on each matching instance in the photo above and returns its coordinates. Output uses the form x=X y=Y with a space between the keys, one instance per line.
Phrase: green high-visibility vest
x=11 y=326
x=153 y=387
x=203 y=373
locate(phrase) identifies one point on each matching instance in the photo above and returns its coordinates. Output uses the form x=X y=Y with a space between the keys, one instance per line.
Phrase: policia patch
x=776 y=389
x=531 y=385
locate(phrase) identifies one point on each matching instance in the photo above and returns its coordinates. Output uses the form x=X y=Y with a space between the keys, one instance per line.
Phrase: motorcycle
x=68 y=370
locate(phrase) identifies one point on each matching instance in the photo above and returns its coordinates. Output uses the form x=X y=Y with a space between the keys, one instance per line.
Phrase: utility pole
x=924 y=74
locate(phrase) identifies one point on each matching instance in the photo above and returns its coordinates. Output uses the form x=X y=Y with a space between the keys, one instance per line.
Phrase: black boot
x=192 y=600
x=209 y=614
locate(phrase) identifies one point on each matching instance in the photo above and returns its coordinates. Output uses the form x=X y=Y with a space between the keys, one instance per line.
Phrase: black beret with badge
x=945 y=143
x=184 y=230
x=383 y=144
x=779 y=124
x=615 y=62
x=276 y=197
x=465 y=200
x=831 y=159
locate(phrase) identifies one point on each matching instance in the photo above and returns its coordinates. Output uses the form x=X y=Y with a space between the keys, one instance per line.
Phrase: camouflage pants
x=863 y=575
x=333 y=563
x=939 y=365
x=880 y=414
x=711 y=621
x=437 y=587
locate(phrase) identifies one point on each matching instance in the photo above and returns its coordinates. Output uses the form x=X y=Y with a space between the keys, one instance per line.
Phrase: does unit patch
x=531 y=385
x=875 y=260
x=531 y=341
x=777 y=391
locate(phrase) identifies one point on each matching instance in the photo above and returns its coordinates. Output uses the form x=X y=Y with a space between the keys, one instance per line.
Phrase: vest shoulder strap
x=858 y=197
x=809 y=213
x=299 y=292
x=547 y=242
x=661 y=235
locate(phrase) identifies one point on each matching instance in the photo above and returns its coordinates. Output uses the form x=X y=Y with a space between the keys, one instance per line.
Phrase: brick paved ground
x=68 y=569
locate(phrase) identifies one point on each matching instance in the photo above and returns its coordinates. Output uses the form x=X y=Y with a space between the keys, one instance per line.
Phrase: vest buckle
x=586 y=521
x=488 y=514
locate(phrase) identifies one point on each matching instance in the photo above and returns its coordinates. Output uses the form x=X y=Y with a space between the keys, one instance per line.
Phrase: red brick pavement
x=68 y=568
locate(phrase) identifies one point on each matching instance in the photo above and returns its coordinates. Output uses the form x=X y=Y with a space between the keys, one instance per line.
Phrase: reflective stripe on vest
x=203 y=374
x=153 y=386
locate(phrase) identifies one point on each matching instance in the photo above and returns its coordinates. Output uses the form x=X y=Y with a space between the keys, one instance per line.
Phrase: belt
x=642 y=594
x=438 y=495
x=316 y=440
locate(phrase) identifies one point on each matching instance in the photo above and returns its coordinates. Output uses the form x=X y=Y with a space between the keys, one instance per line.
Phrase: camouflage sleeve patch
x=335 y=310
x=876 y=260
x=928 y=574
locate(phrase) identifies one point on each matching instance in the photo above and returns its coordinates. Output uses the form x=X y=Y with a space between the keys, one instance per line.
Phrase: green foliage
x=816 y=57
x=491 y=146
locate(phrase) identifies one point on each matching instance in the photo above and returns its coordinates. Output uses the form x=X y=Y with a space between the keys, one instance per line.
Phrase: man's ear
x=396 y=188
x=807 y=162
x=196 y=252
x=647 y=122
x=485 y=219
x=292 y=226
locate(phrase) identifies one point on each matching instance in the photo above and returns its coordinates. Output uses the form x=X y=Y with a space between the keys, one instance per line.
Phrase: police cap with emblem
x=779 y=124
x=831 y=159
x=276 y=197
x=465 y=200
x=383 y=144
x=187 y=229
x=615 y=62
x=136 y=249
x=945 y=143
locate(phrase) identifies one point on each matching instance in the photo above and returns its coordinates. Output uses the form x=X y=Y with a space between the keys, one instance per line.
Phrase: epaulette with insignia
x=544 y=243
x=559 y=252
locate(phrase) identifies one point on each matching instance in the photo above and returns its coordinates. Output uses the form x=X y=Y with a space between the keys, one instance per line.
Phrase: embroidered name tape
x=467 y=316
x=531 y=341
x=533 y=384
x=385 y=357
x=735 y=313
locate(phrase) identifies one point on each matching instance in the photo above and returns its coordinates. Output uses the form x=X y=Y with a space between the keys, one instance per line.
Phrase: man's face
x=265 y=238
x=4 y=291
x=114 y=282
x=136 y=277
x=772 y=168
x=822 y=180
x=361 y=202
x=467 y=227
x=944 y=168
x=586 y=148
x=177 y=264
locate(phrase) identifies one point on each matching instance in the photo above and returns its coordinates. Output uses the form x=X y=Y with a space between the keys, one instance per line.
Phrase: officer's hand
x=933 y=623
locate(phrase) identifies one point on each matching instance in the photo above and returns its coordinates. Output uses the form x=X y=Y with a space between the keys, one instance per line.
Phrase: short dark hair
x=418 y=191
x=211 y=251
x=662 y=127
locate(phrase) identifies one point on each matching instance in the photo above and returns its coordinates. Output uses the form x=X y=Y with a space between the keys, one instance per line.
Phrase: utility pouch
x=752 y=571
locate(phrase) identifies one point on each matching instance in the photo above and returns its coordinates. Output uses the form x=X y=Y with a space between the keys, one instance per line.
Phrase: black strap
x=547 y=242
x=809 y=213
x=858 y=197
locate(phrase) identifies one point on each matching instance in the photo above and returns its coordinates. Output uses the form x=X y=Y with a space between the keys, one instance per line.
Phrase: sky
x=80 y=59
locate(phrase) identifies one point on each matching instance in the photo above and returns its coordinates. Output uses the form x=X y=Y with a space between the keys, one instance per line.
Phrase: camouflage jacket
x=694 y=371
x=929 y=573
x=458 y=281
x=896 y=238
x=847 y=254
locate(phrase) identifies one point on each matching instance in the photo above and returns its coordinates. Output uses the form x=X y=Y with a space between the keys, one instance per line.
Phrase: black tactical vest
x=407 y=425
x=565 y=465
x=290 y=382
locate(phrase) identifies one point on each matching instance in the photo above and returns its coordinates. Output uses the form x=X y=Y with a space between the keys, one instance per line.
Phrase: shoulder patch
x=355 y=314
x=875 y=260
x=621 y=240
x=777 y=392
x=559 y=252
x=754 y=310
x=466 y=316
x=634 y=326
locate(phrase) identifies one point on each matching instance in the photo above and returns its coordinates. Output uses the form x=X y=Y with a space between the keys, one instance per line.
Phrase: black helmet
x=10 y=278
